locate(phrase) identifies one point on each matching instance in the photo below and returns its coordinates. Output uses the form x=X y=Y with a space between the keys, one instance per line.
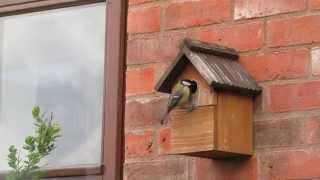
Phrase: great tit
x=181 y=95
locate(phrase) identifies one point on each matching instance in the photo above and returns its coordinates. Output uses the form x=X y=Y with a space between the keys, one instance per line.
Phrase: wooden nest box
x=221 y=124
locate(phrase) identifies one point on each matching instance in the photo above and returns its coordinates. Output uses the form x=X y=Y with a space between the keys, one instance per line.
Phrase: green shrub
x=37 y=147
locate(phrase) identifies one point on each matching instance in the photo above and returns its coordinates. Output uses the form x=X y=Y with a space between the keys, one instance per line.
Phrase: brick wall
x=279 y=44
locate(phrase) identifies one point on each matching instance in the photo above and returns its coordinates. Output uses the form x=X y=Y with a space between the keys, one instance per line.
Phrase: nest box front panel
x=192 y=132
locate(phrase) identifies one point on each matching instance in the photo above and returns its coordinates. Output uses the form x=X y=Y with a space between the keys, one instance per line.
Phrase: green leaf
x=12 y=149
x=29 y=140
x=36 y=112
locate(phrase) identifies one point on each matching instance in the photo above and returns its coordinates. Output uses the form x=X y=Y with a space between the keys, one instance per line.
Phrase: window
x=56 y=59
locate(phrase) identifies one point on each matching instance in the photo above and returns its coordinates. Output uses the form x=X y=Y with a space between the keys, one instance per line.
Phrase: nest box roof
x=218 y=66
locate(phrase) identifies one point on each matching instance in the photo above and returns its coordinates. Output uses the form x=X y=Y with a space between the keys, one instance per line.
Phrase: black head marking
x=191 y=84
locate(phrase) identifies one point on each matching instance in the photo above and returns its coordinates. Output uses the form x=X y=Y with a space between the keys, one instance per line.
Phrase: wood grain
x=192 y=131
x=217 y=131
x=234 y=123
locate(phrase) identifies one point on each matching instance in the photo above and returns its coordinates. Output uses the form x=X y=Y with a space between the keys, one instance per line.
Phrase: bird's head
x=191 y=84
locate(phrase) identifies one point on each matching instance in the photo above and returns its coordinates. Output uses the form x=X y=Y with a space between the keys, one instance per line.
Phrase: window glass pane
x=54 y=59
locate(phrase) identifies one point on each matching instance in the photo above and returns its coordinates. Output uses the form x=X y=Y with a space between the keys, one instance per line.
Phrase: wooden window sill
x=68 y=172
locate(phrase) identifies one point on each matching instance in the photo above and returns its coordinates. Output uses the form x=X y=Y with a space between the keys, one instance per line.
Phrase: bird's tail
x=165 y=118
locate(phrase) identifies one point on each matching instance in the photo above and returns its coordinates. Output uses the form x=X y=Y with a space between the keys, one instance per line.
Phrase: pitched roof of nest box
x=218 y=66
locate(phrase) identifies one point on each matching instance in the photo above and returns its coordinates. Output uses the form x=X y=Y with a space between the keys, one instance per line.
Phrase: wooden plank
x=13 y=7
x=215 y=154
x=67 y=172
x=81 y=171
x=234 y=123
x=114 y=99
x=205 y=95
x=215 y=49
x=168 y=78
x=192 y=131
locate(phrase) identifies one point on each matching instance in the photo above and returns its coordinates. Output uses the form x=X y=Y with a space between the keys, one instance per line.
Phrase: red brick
x=164 y=140
x=160 y=69
x=312 y=130
x=145 y=111
x=259 y=8
x=140 y=81
x=158 y=170
x=143 y=50
x=279 y=133
x=294 y=97
x=277 y=65
x=298 y=164
x=242 y=37
x=144 y=20
x=287 y=132
x=314 y=4
x=297 y=30
x=195 y=13
x=139 y=144
x=156 y=49
x=232 y=169
x=133 y=2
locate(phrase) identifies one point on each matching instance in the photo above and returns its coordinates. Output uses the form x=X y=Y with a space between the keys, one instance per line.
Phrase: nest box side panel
x=234 y=125
x=205 y=95
x=192 y=131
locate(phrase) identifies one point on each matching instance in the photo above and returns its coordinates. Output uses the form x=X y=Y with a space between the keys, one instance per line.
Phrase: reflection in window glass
x=54 y=59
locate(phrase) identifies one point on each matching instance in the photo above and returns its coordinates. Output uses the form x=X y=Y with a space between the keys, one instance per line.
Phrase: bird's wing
x=174 y=99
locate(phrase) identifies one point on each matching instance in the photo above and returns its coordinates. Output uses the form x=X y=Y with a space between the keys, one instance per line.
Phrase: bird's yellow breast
x=186 y=94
